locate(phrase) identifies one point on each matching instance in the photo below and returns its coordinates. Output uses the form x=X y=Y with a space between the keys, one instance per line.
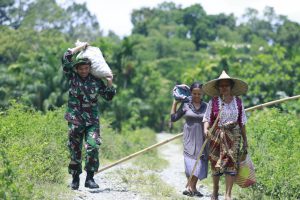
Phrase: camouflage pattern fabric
x=92 y=143
x=83 y=116
x=83 y=94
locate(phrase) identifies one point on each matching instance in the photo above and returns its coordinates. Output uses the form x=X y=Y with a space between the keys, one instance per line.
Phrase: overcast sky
x=115 y=14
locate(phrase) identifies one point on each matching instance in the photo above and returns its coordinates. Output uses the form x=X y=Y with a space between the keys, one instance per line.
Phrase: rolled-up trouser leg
x=76 y=133
x=92 y=144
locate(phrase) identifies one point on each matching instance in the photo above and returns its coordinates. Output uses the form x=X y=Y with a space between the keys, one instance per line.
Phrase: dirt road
x=112 y=187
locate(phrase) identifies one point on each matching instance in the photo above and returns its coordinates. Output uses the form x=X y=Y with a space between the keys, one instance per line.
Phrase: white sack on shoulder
x=99 y=68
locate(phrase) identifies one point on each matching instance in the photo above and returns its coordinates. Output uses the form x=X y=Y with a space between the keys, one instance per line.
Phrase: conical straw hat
x=239 y=88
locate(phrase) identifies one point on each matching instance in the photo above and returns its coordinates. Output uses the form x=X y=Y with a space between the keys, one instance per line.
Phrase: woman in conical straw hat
x=225 y=140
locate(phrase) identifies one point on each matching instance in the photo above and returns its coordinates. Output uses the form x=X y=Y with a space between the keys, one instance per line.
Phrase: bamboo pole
x=180 y=134
x=272 y=102
x=140 y=152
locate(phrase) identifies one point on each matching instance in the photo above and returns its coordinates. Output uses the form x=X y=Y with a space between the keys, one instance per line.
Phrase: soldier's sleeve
x=67 y=64
x=107 y=92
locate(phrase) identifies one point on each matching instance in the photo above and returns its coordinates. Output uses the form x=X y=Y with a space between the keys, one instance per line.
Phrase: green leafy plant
x=274 y=142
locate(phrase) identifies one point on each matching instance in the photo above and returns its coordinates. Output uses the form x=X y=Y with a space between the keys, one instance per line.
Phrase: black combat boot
x=75 y=181
x=89 y=182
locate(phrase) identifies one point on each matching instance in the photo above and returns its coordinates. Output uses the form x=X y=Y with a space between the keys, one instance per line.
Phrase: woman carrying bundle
x=193 y=136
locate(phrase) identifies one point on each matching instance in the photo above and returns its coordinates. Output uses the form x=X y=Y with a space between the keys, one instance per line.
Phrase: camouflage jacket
x=83 y=94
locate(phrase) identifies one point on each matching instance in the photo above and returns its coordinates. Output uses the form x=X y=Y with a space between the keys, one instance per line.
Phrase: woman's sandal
x=198 y=194
x=188 y=193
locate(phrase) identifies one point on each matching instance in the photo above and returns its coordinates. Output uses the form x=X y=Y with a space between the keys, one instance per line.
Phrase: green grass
x=149 y=185
x=150 y=161
x=144 y=180
x=55 y=191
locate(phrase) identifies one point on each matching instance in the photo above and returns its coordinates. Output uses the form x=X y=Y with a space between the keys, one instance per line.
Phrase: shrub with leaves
x=274 y=140
x=33 y=151
x=33 y=148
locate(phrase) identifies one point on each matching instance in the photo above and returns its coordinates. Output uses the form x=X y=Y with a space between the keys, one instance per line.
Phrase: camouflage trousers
x=90 y=134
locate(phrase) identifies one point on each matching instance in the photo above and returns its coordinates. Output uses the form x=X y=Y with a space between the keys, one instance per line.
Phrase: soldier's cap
x=82 y=61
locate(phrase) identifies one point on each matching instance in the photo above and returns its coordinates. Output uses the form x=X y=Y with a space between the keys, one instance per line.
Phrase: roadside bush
x=8 y=189
x=34 y=154
x=274 y=141
x=33 y=145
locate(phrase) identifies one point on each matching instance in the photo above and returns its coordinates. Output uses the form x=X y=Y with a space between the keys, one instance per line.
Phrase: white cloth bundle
x=182 y=93
x=99 y=67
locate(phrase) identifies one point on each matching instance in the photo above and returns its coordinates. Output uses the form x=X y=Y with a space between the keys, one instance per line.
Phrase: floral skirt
x=225 y=149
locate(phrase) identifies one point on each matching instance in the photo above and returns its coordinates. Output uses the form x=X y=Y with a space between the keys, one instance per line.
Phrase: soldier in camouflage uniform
x=82 y=116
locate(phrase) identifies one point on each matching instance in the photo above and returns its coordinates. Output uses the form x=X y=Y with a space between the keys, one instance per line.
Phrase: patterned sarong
x=225 y=149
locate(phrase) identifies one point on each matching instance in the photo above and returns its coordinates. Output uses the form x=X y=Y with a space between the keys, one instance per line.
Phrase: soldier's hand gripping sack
x=99 y=67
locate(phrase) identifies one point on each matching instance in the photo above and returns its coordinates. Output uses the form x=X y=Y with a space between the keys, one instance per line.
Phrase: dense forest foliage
x=169 y=44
